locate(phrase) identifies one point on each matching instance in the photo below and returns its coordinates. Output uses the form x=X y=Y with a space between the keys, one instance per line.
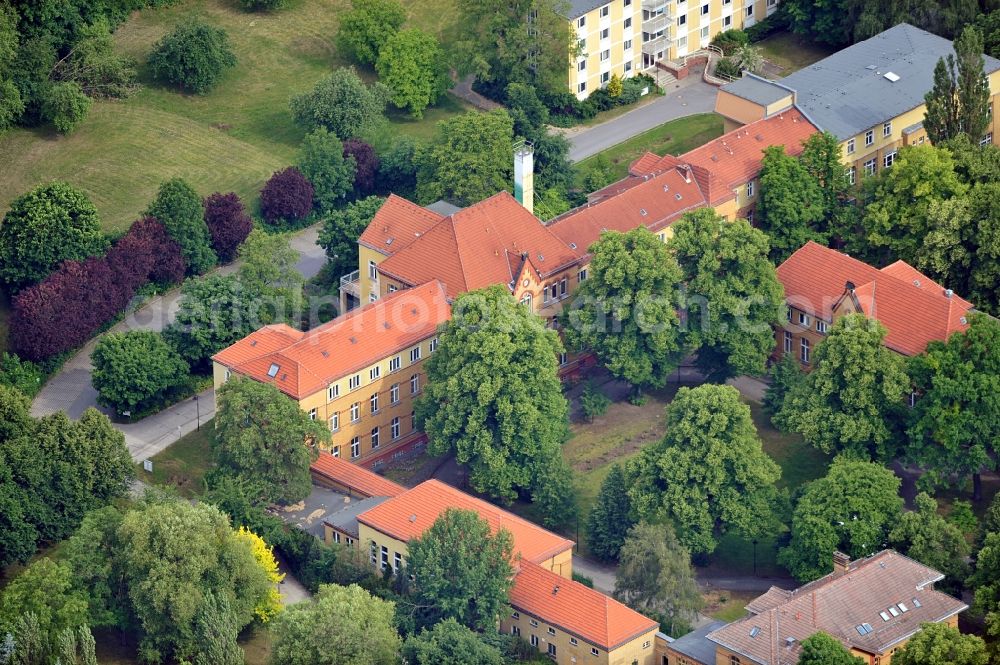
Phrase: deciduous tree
x=65 y=106
x=672 y=480
x=179 y=208
x=959 y=101
x=411 y=64
x=44 y=589
x=331 y=173
x=261 y=433
x=941 y=644
x=450 y=643
x=821 y=649
x=468 y=160
x=655 y=576
x=228 y=224
x=733 y=293
x=366 y=165
x=340 y=232
x=852 y=399
x=134 y=369
x=494 y=397
x=341 y=103
x=287 y=196
x=611 y=517
x=986 y=582
x=195 y=56
x=460 y=570
x=269 y=271
x=340 y=626
x=790 y=206
x=43 y=228
x=932 y=540
x=626 y=311
x=851 y=509
x=367 y=26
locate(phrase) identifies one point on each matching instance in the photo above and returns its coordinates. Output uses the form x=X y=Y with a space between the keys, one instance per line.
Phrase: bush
x=146 y=253
x=45 y=227
x=593 y=402
x=367 y=26
x=194 y=56
x=397 y=168
x=23 y=375
x=632 y=90
x=134 y=369
x=180 y=210
x=322 y=161
x=727 y=67
x=287 y=196
x=228 y=223
x=341 y=103
x=365 y=165
x=263 y=5
x=65 y=106
x=776 y=22
x=730 y=40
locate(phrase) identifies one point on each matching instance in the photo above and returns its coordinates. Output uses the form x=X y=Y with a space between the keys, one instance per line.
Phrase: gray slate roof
x=696 y=646
x=848 y=93
x=578 y=8
x=443 y=208
x=346 y=519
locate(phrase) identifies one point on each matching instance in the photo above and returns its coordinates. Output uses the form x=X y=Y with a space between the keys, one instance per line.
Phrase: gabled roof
x=410 y=514
x=696 y=646
x=476 y=246
x=654 y=198
x=735 y=157
x=355 y=478
x=299 y=364
x=397 y=224
x=914 y=309
x=577 y=609
x=841 y=602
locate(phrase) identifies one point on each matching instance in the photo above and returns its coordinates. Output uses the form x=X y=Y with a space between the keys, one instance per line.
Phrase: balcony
x=656 y=23
x=351 y=283
x=654 y=5
x=656 y=45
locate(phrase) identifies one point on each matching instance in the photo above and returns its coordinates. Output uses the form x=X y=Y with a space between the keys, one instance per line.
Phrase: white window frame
x=414 y=384
x=851 y=146
x=869 y=137
x=415 y=354
x=356 y=447
x=804 y=351
x=394 y=428
x=394 y=393
x=335 y=422
x=887 y=129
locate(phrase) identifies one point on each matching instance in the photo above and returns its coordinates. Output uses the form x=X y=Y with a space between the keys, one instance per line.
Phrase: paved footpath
x=70 y=390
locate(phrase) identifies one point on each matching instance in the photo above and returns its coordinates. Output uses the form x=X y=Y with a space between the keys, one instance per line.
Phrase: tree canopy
x=959 y=101
x=460 y=570
x=340 y=232
x=926 y=536
x=262 y=434
x=495 y=399
x=986 y=582
x=194 y=56
x=322 y=161
x=413 y=66
x=610 y=519
x=940 y=644
x=790 y=206
x=733 y=295
x=450 y=643
x=821 y=649
x=734 y=490
x=342 y=103
x=851 y=509
x=43 y=228
x=852 y=399
x=626 y=310
x=179 y=208
x=135 y=369
x=367 y=27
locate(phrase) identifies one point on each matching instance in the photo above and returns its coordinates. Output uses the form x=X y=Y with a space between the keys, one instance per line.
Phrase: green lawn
x=791 y=52
x=184 y=464
x=231 y=138
x=674 y=137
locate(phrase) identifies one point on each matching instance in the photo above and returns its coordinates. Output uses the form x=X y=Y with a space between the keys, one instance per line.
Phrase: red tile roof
x=411 y=513
x=837 y=604
x=713 y=189
x=735 y=158
x=397 y=224
x=358 y=479
x=655 y=200
x=310 y=361
x=476 y=247
x=577 y=609
x=914 y=309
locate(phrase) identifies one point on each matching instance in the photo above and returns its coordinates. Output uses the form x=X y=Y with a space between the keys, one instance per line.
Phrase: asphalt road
x=71 y=391
x=683 y=98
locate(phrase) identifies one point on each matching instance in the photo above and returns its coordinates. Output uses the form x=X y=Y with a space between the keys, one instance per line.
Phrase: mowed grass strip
x=675 y=137
x=184 y=464
x=229 y=139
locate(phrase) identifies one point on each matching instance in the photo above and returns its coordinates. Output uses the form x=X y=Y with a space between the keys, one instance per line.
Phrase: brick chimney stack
x=841 y=562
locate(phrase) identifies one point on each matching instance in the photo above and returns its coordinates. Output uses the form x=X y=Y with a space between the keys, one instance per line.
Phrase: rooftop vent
x=325 y=354
x=272 y=371
x=755 y=631
x=891 y=76
x=253 y=342
x=715 y=158
x=413 y=518
x=385 y=324
x=677 y=196
x=388 y=241
x=789 y=641
x=759 y=137
x=916 y=282
x=572 y=245
x=642 y=211
x=666 y=188
x=284 y=377
x=963 y=321
x=354 y=340
x=541 y=257
x=948 y=293
x=555 y=589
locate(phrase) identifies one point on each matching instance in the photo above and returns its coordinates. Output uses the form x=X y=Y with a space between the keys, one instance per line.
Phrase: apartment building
x=625 y=37
x=869 y=95
x=872 y=606
x=563 y=619
x=358 y=373
x=822 y=285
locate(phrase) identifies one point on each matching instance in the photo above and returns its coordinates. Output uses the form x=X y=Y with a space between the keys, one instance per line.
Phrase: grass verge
x=675 y=137
x=184 y=464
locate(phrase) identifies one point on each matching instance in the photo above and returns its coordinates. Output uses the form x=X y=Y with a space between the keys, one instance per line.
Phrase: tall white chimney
x=524 y=175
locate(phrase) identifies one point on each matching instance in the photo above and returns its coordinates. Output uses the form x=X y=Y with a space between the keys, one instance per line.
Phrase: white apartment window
x=385 y=557
x=515 y=615
x=850 y=146
x=582 y=87
x=645 y=645
x=414 y=354
x=605 y=33
x=356 y=447
x=772 y=3
x=605 y=77
x=887 y=128
x=312 y=414
x=394 y=393
x=372 y=552
x=335 y=422
x=336 y=537
x=788 y=342
x=552 y=649
x=704 y=10
x=394 y=428
x=682 y=42
x=805 y=350
x=393 y=288
x=534 y=640
x=582 y=21
x=593 y=651
x=628 y=65
x=375 y=372
x=374 y=403
x=869 y=137
x=583 y=43
x=704 y=32
x=870 y=167
x=397 y=562
x=414 y=384
x=372 y=270
x=605 y=55
x=333 y=392
x=627 y=3
x=526 y=300
x=534 y=624
x=582 y=275
x=514 y=630
x=749 y=216
x=750 y=189
x=356 y=412
x=605 y=10
x=821 y=326
x=573 y=641
x=372 y=297
x=851 y=174
x=749 y=10
x=727 y=21
x=229 y=374
x=552 y=631
x=628 y=23
x=354 y=381
x=335 y=451
x=375 y=438
x=682 y=20
x=581 y=66
x=889 y=158
x=986 y=140
x=627 y=45
x=394 y=364
x=803 y=319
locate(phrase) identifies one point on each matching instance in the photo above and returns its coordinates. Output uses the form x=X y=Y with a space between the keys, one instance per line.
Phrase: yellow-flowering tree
x=270 y=605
